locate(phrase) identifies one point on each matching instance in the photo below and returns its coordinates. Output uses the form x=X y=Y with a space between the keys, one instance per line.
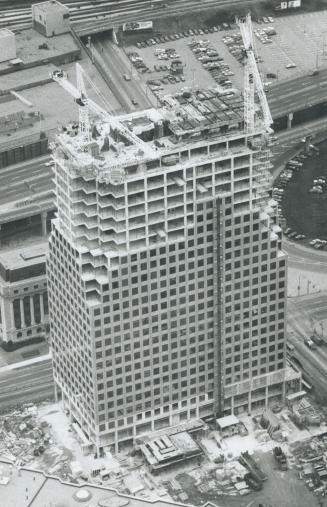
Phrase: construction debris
x=311 y=462
x=305 y=414
x=22 y=435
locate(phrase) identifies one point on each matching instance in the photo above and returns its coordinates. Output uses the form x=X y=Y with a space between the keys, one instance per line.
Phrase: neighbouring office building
x=167 y=281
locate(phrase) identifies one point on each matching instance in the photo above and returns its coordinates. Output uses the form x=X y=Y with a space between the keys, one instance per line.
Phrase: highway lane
x=303 y=316
x=316 y=376
x=116 y=64
x=292 y=95
x=289 y=141
x=307 y=312
x=24 y=180
x=30 y=383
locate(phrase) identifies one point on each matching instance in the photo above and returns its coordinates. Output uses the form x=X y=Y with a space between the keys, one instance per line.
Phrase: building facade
x=167 y=282
x=23 y=296
x=50 y=18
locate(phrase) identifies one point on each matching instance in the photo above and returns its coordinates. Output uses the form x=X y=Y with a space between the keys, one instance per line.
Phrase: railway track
x=113 y=11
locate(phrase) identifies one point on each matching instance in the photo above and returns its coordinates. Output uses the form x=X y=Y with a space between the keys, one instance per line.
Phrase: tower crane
x=85 y=104
x=252 y=79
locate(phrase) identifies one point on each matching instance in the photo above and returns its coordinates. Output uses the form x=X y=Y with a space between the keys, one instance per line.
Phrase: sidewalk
x=29 y=351
x=28 y=362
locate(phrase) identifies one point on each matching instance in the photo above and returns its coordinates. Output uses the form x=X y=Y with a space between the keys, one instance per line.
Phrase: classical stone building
x=23 y=295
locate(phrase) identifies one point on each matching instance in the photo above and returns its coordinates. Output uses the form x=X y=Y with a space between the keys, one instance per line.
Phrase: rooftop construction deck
x=148 y=135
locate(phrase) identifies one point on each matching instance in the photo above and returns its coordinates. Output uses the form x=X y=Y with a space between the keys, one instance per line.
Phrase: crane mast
x=252 y=79
x=85 y=105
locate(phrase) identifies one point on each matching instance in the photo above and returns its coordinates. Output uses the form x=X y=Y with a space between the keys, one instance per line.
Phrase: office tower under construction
x=167 y=281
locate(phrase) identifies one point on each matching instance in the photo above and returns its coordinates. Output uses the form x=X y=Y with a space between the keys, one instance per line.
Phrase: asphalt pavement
x=26 y=189
x=116 y=64
x=308 y=258
x=295 y=94
x=303 y=315
x=20 y=181
x=26 y=384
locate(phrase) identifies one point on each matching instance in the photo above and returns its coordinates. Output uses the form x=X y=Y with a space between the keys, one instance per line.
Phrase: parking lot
x=298 y=47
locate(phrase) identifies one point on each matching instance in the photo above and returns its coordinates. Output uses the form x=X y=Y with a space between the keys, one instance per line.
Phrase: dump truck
x=280 y=457
x=252 y=482
x=248 y=462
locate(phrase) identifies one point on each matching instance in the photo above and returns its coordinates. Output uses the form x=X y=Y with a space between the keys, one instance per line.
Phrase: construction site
x=269 y=457
x=196 y=459
x=216 y=415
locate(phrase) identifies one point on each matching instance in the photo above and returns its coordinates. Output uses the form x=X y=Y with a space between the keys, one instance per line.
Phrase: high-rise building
x=167 y=281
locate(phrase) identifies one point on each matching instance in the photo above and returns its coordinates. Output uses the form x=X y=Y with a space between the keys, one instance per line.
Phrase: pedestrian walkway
x=28 y=362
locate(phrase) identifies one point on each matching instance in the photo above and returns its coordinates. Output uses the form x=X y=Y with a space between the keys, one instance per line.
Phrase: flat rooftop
x=4 y=32
x=31 y=488
x=21 y=257
x=28 y=42
x=51 y=6
x=26 y=78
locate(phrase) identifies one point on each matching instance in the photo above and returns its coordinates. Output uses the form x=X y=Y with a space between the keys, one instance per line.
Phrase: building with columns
x=23 y=295
x=166 y=275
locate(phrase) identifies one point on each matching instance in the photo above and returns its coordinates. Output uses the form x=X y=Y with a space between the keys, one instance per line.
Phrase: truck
x=309 y=343
x=280 y=457
x=316 y=339
x=252 y=482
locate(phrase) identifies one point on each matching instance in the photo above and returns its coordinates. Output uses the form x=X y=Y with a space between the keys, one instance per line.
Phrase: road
x=289 y=142
x=304 y=315
x=115 y=64
x=307 y=258
x=26 y=189
x=297 y=93
x=28 y=384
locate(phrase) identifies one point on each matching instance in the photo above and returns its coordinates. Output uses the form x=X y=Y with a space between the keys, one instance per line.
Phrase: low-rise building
x=23 y=295
x=7 y=45
x=50 y=18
